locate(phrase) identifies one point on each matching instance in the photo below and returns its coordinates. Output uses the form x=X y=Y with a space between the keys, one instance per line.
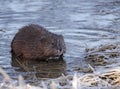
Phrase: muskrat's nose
x=60 y=49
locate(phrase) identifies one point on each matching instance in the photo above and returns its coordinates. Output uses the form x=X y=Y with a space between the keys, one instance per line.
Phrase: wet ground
x=83 y=23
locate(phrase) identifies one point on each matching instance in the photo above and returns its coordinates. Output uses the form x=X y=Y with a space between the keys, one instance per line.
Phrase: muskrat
x=35 y=42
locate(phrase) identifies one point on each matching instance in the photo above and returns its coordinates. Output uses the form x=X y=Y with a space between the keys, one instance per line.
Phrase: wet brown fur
x=35 y=42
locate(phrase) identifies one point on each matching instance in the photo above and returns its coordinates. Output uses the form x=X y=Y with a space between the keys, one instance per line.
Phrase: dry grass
x=102 y=55
x=109 y=79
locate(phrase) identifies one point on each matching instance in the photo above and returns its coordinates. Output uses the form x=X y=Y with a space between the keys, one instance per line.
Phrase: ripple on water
x=31 y=6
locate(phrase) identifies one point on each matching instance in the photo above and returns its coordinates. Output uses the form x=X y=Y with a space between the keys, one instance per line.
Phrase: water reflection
x=40 y=69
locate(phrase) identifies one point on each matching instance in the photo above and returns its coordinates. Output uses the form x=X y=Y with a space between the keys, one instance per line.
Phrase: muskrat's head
x=55 y=46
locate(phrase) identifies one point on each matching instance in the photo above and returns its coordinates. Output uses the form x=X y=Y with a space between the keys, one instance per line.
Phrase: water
x=83 y=23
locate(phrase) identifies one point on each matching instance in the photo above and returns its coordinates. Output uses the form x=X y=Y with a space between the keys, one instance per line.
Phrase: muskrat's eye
x=53 y=43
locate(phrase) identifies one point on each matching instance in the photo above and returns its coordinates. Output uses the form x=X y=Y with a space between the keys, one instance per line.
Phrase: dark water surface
x=83 y=23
